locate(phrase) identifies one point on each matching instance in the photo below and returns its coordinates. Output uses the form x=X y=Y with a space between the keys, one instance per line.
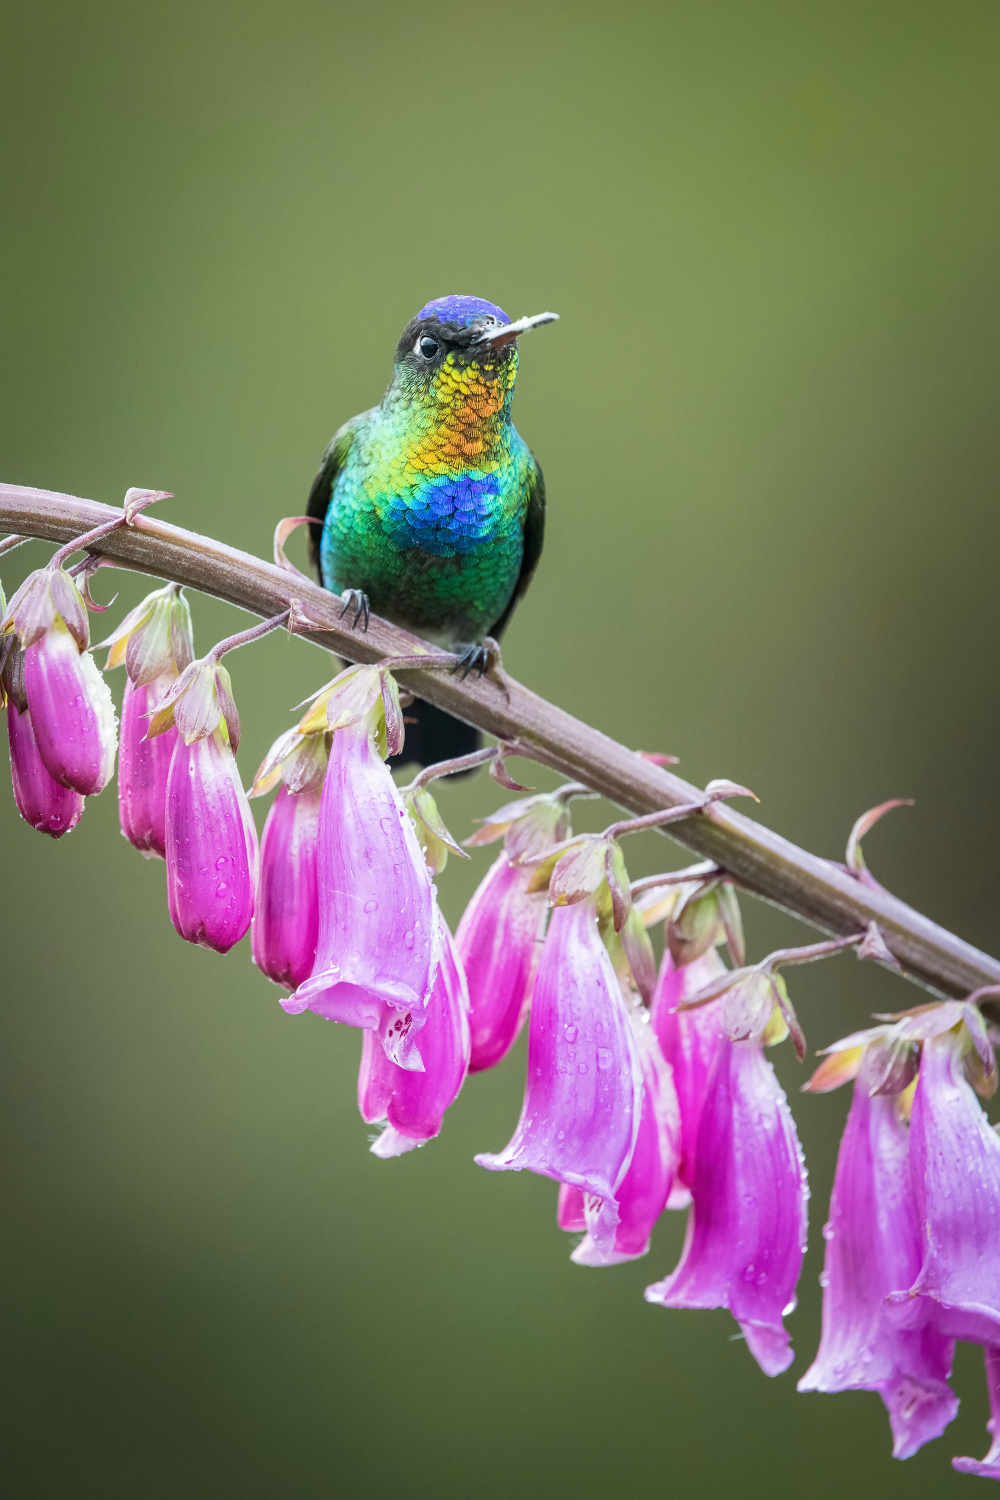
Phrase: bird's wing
x=534 y=536
x=319 y=496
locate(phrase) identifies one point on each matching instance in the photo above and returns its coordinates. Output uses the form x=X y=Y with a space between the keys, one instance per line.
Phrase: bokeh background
x=768 y=425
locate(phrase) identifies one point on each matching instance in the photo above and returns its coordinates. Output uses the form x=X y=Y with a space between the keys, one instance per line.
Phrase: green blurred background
x=768 y=425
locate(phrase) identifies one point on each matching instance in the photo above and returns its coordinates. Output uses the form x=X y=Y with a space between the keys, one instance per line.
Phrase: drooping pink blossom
x=42 y=802
x=211 y=844
x=501 y=931
x=747 y=1230
x=873 y=1245
x=500 y=940
x=155 y=645
x=72 y=712
x=689 y=1041
x=413 y=1104
x=988 y=1467
x=645 y=1188
x=955 y=1173
x=143 y=767
x=286 y=918
x=582 y=1101
x=377 y=951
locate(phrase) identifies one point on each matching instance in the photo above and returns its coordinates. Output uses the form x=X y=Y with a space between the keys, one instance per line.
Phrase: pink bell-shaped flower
x=988 y=1467
x=413 y=1104
x=955 y=1173
x=689 y=1040
x=72 y=713
x=143 y=767
x=71 y=710
x=154 y=643
x=286 y=919
x=645 y=1188
x=582 y=1102
x=42 y=802
x=377 y=949
x=872 y=1248
x=501 y=931
x=211 y=844
x=210 y=838
x=747 y=1230
x=286 y=922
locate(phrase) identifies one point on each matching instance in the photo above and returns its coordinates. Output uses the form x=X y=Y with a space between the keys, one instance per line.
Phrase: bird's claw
x=484 y=659
x=361 y=607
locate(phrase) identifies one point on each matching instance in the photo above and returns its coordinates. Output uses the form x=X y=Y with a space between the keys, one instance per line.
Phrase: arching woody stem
x=816 y=890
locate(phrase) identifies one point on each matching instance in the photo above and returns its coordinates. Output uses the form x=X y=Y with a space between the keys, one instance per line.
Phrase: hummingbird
x=430 y=508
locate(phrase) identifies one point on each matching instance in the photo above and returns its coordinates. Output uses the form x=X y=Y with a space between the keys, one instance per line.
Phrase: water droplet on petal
x=570 y=1033
x=371 y=906
x=603 y=1057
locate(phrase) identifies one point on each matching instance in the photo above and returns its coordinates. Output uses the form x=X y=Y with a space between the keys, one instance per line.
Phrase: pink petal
x=377 y=950
x=872 y=1248
x=988 y=1467
x=582 y=1102
x=500 y=942
x=644 y=1189
x=955 y=1171
x=42 y=802
x=286 y=914
x=143 y=768
x=412 y=1103
x=72 y=712
x=689 y=1041
x=747 y=1229
x=211 y=845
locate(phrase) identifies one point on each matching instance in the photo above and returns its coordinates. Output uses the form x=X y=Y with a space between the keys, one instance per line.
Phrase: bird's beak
x=506 y=333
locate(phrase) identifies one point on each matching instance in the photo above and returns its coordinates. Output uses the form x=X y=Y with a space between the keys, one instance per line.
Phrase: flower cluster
x=913 y=1238
x=649 y=1089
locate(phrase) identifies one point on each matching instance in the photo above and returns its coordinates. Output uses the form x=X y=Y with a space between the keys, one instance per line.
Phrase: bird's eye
x=427 y=346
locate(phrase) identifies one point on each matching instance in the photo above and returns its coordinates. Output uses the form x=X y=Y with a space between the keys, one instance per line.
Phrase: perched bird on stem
x=430 y=508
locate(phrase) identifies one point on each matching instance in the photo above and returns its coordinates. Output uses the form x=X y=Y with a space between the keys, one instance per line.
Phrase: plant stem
x=244 y=637
x=450 y=767
x=816 y=890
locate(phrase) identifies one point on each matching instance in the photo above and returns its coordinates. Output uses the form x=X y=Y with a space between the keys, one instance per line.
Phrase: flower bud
x=71 y=711
x=211 y=844
x=286 y=919
x=143 y=768
x=154 y=642
x=42 y=802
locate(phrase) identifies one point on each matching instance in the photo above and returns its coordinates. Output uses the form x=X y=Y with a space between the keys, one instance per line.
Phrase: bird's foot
x=360 y=602
x=486 y=660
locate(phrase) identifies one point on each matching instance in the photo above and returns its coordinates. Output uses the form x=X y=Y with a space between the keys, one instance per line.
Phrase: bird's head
x=462 y=352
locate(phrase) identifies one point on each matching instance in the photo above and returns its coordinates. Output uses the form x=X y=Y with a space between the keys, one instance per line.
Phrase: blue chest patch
x=448 y=515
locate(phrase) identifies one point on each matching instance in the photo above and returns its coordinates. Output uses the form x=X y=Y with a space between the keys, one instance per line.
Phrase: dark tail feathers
x=433 y=736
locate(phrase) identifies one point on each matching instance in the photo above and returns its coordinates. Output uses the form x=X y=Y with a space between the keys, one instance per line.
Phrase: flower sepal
x=350 y=698
x=154 y=640
x=197 y=703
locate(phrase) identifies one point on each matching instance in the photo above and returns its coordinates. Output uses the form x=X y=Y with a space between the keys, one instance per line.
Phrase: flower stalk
x=818 y=891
